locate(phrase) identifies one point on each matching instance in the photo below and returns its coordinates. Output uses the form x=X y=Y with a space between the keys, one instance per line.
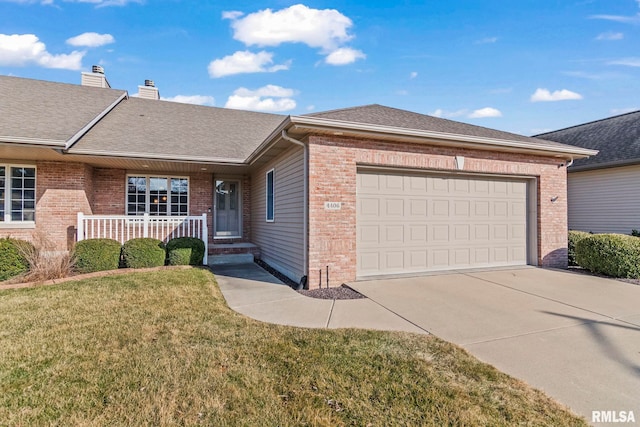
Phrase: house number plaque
x=332 y=206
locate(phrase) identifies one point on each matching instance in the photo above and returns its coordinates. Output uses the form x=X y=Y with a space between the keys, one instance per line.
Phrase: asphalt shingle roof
x=617 y=138
x=147 y=126
x=388 y=116
x=51 y=111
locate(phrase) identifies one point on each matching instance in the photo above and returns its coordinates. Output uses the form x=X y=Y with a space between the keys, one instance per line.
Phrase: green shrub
x=143 y=252
x=574 y=238
x=185 y=251
x=615 y=255
x=12 y=259
x=97 y=255
x=635 y=233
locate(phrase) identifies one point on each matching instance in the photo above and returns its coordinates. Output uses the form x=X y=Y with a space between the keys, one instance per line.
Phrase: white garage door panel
x=415 y=223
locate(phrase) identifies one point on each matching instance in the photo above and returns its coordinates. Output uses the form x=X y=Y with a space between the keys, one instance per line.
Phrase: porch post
x=80 y=229
x=205 y=239
x=145 y=225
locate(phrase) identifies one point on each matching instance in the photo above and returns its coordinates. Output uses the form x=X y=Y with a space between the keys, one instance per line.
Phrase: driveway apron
x=576 y=337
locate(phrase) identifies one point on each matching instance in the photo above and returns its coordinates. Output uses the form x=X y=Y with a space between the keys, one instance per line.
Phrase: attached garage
x=411 y=222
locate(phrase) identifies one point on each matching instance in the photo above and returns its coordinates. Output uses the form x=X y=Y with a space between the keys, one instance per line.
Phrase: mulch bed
x=342 y=292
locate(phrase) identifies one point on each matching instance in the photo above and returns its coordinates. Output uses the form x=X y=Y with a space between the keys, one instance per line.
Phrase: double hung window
x=157 y=195
x=17 y=194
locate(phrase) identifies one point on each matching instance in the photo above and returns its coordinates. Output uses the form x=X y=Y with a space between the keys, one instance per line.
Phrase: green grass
x=162 y=348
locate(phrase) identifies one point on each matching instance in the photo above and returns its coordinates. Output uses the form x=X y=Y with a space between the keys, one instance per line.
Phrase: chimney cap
x=149 y=83
x=97 y=69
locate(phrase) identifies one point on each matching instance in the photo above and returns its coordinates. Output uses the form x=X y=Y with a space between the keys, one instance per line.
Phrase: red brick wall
x=61 y=192
x=333 y=165
x=109 y=191
x=201 y=197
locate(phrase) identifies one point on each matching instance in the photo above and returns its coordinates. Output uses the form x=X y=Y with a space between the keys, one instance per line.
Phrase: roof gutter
x=162 y=157
x=305 y=233
x=71 y=141
x=39 y=142
x=314 y=123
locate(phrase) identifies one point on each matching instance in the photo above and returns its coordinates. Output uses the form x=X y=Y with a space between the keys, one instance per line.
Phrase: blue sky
x=523 y=66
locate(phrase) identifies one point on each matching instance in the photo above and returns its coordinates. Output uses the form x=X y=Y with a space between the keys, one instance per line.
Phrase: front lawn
x=162 y=348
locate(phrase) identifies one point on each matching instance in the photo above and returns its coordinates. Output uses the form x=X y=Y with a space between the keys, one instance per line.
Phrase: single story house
x=604 y=190
x=332 y=196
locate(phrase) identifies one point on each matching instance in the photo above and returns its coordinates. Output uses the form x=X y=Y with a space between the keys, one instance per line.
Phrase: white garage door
x=409 y=223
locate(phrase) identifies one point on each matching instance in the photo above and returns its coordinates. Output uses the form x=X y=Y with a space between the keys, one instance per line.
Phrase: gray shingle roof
x=617 y=138
x=143 y=126
x=388 y=116
x=49 y=111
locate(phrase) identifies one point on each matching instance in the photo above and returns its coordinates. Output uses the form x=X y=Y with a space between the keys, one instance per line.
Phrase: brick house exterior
x=284 y=184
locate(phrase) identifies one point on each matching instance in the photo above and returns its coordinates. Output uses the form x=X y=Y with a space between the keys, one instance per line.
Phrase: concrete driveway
x=574 y=336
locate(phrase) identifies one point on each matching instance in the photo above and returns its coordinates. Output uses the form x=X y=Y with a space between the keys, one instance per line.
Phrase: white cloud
x=268 y=90
x=270 y=98
x=448 y=114
x=633 y=19
x=610 y=36
x=27 y=49
x=413 y=75
x=191 y=99
x=310 y=107
x=245 y=62
x=326 y=28
x=475 y=114
x=485 y=112
x=487 y=40
x=543 y=95
x=232 y=14
x=629 y=62
x=91 y=40
x=625 y=19
x=344 y=56
x=618 y=111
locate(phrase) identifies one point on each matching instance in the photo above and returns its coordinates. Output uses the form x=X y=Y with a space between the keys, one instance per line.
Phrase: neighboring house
x=604 y=190
x=355 y=193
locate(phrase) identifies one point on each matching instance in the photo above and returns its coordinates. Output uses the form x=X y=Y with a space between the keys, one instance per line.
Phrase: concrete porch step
x=238 y=248
x=230 y=259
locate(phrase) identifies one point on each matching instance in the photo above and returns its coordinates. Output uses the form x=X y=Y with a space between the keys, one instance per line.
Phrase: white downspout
x=305 y=214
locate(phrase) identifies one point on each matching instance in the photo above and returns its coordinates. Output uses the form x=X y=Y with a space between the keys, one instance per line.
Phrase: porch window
x=17 y=194
x=157 y=195
x=270 y=197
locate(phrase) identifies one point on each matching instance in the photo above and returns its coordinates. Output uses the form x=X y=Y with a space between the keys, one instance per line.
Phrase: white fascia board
x=163 y=157
x=312 y=123
x=39 y=142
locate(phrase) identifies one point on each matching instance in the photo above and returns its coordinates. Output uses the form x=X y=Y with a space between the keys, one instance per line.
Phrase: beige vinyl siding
x=281 y=242
x=605 y=200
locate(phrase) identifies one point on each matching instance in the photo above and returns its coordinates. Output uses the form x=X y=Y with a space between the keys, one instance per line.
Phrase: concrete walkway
x=254 y=292
x=576 y=337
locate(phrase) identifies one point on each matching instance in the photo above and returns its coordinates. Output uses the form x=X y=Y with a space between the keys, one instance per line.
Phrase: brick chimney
x=149 y=90
x=95 y=78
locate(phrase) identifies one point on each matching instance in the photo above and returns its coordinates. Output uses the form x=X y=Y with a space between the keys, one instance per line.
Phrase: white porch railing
x=126 y=227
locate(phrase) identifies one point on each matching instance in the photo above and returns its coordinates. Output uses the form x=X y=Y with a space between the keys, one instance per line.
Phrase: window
x=157 y=195
x=17 y=194
x=270 y=198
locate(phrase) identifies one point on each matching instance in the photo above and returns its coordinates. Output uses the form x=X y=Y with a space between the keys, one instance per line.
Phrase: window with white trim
x=270 y=196
x=157 y=195
x=17 y=194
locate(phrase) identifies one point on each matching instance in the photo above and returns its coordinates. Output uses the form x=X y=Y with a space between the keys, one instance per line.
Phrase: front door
x=227 y=209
